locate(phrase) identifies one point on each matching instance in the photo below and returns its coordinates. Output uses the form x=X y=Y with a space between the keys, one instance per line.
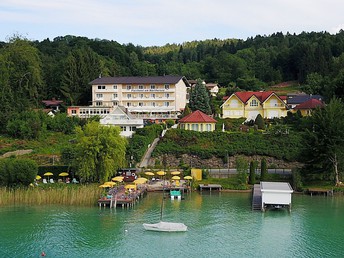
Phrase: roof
x=310 y=104
x=275 y=187
x=52 y=102
x=300 y=98
x=244 y=96
x=197 y=117
x=140 y=79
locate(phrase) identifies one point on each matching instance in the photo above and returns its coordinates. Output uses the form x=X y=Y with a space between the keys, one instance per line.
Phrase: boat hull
x=166 y=227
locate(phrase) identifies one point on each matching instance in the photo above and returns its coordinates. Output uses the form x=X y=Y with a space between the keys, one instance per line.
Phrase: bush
x=17 y=171
x=263 y=170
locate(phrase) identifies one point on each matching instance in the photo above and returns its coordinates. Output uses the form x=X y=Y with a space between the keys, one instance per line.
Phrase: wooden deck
x=210 y=187
x=122 y=199
x=320 y=191
x=256 y=198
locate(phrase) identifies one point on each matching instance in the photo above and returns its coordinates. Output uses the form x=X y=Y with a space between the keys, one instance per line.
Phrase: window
x=99 y=103
x=99 y=96
x=128 y=87
x=73 y=111
x=115 y=96
x=153 y=104
x=208 y=127
x=152 y=95
x=166 y=104
x=115 y=103
x=167 y=86
x=140 y=104
x=234 y=103
x=254 y=103
x=101 y=87
x=152 y=87
x=128 y=104
x=167 y=95
x=141 y=87
x=115 y=87
x=128 y=96
x=141 y=96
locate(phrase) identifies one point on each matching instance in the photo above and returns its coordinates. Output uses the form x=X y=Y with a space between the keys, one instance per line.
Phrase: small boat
x=166 y=227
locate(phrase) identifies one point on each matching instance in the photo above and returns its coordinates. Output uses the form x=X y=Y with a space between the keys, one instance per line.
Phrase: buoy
x=43 y=254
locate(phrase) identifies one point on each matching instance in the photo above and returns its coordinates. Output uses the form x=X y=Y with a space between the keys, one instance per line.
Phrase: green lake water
x=219 y=225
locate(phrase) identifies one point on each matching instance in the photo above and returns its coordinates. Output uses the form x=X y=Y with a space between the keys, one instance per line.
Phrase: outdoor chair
x=74 y=181
x=45 y=181
x=51 y=181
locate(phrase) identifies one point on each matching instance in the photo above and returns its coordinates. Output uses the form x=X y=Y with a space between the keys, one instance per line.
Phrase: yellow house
x=249 y=104
x=198 y=121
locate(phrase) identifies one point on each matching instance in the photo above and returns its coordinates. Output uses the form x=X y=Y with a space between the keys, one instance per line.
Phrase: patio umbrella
x=174 y=173
x=149 y=173
x=105 y=186
x=48 y=174
x=130 y=187
x=110 y=183
x=64 y=174
x=38 y=177
x=188 y=177
x=118 y=178
x=141 y=180
x=176 y=178
x=161 y=173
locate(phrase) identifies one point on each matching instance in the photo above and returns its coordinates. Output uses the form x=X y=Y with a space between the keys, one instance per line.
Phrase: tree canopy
x=100 y=151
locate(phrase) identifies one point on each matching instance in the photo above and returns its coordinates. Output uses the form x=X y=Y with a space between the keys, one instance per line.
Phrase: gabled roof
x=197 y=117
x=300 y=98
x=139 y=79
x=244 y=96
x=310 y=104
x=52 y=102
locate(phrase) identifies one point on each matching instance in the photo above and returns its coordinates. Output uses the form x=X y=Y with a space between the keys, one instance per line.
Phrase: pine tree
x=199 y=98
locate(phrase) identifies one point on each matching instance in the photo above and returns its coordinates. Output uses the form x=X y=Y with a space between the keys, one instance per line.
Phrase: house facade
x=120 y=117
x=153 y=97
x=249 y=104
x=198 y=121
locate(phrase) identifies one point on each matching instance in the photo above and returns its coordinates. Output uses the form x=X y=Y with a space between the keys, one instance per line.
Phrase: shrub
x=17 y=171
x=263 y=170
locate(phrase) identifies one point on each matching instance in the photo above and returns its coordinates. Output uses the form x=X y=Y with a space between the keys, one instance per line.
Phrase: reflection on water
x=219 y=225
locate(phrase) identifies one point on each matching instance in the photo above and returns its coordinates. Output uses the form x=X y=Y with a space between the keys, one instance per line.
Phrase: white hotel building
x=155 y=98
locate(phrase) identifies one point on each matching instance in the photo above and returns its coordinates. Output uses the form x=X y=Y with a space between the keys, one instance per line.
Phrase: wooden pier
x=210 y=187
x=122 y=199
x=256 y=198
x=320 y=191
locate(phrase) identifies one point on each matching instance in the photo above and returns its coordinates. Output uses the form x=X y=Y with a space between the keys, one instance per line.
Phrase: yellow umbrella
x=110 y=183
x=176 y=177
x=105 y=186
x=118 y=178
x=63 y=174
x=130 y=187
x=38 y=177
x=161 y=173
x=141 y=180
x=149 y=173
x=48 y=174
x=175 y=173
x=188 y=177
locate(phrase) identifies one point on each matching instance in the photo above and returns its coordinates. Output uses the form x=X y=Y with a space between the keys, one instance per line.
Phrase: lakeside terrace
x=127 y=195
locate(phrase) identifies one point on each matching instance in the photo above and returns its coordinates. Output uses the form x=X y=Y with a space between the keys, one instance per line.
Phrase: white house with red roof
x=198 y=121
x=249 y=104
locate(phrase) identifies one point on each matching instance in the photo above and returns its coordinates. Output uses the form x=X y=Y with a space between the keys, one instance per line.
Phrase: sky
x=159 y=22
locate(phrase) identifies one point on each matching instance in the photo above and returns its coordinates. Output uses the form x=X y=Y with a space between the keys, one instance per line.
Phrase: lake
x=219 y=225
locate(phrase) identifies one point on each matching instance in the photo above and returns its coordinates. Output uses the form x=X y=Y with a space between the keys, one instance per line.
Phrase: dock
x=118 y=197
x=210 y=187
x=256 y=198
x=320 y=191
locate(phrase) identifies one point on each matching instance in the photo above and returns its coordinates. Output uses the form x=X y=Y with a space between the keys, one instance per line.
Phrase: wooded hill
x=64 y=66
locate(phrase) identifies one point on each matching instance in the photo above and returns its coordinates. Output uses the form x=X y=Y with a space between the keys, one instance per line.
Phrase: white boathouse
x=275 y=195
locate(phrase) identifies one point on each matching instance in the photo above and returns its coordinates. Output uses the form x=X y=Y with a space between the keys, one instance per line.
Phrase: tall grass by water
x=85 y=195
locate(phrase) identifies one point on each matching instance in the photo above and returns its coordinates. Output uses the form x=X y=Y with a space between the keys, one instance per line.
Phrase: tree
x=199 y=98
x=100 y=151
x=325 y=140
x=241 y=167
x=263 y=170
x=259 y=122
x=252 y=176
x=15 y=171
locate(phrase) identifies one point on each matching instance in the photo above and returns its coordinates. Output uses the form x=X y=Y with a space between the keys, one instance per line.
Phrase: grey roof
x=275 y=186
x=300 y=98
x=140 y=80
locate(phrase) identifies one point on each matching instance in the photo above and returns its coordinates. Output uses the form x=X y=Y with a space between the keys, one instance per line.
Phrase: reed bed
x=82 y=195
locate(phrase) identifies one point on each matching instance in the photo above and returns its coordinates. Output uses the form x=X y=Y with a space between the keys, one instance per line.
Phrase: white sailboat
x=164 y=226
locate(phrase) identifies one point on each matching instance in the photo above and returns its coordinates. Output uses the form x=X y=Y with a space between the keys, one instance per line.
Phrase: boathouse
x=276 y=194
